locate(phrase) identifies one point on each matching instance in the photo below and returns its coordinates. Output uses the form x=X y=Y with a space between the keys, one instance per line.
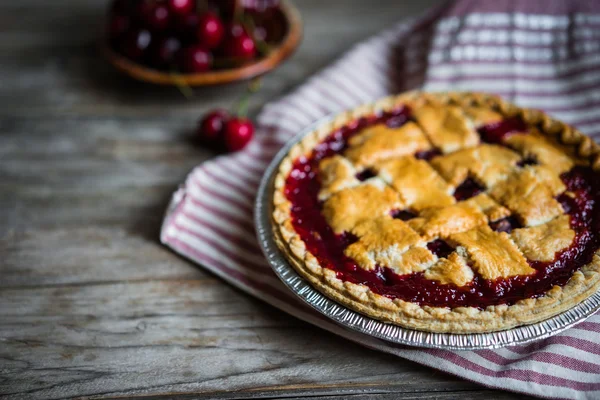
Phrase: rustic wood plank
x=475 y=395
x=365 y=394
x=180 y=336
x=100 y=171
x=78 y=256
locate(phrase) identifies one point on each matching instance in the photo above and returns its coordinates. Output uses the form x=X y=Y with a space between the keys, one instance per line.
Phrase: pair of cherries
x=230 y=132
x=219 y=129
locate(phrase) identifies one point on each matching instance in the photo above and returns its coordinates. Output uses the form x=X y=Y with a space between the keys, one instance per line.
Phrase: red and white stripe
x=541 y=59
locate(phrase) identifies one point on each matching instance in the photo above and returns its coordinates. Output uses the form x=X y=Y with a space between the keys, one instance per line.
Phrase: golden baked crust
x=380 y=142
x=487 y=163
x=389 y=242
x=480 y=250
x=453 y=269
x=482 y=115
x=448 y=128
x=493 y=254
x=542 y=242
x=492 y=210
x=348 y=207
x=530 y=195
x=536 y=146
x=444 y=221
x=336 y=173
x=407 y=175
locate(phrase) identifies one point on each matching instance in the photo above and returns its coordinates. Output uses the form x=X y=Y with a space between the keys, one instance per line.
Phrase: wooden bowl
x=280 y=51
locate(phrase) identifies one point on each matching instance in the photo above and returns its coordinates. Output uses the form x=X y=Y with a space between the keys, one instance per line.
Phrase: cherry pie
x=448 y=212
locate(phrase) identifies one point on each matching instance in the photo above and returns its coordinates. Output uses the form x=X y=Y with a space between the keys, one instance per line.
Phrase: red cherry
x=135 y=43
x=155 y=16
x=117 y=25
x=163 y=52
x=181 y=7
x=238 y=132
x=210 y=30
x=241 y=47
x=210 y=128
x=194 y=58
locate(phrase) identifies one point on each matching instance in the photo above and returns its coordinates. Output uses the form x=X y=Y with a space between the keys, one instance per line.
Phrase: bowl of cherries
x=200 y=42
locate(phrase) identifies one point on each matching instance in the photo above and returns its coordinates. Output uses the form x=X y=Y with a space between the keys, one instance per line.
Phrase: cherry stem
x=244 y=102
x=183 y=87
x=238 y=10
x=250 y=27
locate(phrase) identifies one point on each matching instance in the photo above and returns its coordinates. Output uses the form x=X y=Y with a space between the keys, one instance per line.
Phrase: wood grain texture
x=90 y=303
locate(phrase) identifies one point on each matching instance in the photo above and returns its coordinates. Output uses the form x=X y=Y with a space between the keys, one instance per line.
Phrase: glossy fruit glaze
x=302 y=187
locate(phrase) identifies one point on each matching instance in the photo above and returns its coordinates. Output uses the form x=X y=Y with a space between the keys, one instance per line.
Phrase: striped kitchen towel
x=536 y=53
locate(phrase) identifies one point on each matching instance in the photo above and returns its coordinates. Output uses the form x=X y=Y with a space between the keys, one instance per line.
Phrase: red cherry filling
x=365 y=174
x=527 y=161
x=505 y=224
x=440 y=248
x=427 y=154
x=302 y=188
x=497 y=132
x=469 y=188
x=404 y=215
x=395 y=118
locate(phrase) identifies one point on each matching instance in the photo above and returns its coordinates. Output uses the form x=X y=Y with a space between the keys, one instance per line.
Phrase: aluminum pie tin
x=393 y=333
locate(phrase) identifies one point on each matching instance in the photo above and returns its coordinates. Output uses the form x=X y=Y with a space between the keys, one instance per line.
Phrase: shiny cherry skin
x=135 y=43
x=194 y=58
x=210 y=30
x=162 y=53
x=239 y=47
x=210 y=128
x=181 y=7
x=155 y=16
x=237 y=133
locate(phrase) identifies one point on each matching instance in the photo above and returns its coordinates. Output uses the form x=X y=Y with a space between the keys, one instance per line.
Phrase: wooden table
x=90 y=303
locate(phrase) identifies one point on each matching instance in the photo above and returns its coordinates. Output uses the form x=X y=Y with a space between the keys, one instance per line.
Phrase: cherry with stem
x=239 y=130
